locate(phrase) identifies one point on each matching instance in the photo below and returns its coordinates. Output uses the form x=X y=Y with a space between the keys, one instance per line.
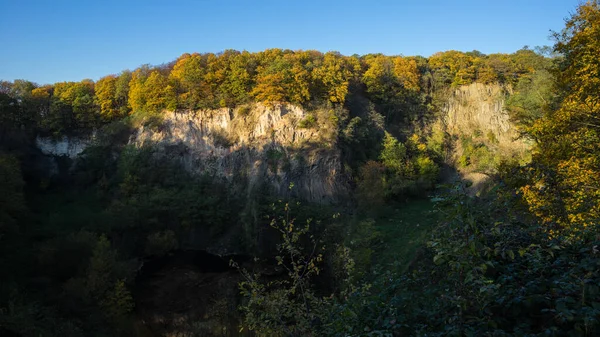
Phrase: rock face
x=479 y=109
x=277 y=145
x=256 y=144
x=66 y=146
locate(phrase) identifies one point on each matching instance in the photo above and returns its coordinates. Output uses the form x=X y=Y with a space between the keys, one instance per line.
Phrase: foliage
x=401 y=87
x=112 y=95
x=479 y=276
x=476 y=155
x=563 y=188
x=308 y=122
x=533 y=94
x=12 y=202
x=405 y=170
x=288 y=306
x=370 y=188
x=490 y=267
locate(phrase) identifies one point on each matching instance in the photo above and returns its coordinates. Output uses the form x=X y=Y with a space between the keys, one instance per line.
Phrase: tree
x=40 y=101
x=393 y=155
x=334 y=74
x=9 y=112
x=73 y=107
x=121 y=95
x=105 y=97
x=240 y=77
x=12 y=202
x=407 y=73
x=380 y=79
x=150 y=91
x=158 y=93
x=112 y=95
x=533 y=94
x=189 y=75
x=564 y=187
x=136 y=88
x=452 y=68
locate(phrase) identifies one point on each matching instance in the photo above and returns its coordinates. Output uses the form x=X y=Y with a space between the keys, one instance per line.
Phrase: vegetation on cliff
x=403 y=255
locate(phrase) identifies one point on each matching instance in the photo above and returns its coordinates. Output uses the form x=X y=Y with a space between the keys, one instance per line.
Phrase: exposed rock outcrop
x=258 y=144
x=478 y=111
x=282 y=144
x=479 y=107
x=66 y=146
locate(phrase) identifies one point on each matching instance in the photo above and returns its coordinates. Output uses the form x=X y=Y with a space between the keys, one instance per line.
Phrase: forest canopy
x=232 y=78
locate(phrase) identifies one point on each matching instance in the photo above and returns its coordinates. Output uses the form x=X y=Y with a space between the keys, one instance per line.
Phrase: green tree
x=73 y=107
x=12 y=202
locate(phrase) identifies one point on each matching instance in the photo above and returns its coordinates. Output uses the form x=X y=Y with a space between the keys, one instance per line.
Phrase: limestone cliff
x=280 y=144
x=277 y=145
x=477 y=111
x=479 y=108
x=66 y=146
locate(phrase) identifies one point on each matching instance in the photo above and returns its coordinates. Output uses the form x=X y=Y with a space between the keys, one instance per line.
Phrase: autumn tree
x=564 y=188
x=136 y=88
x=407 y=73
x=452 y=68
x=150 y=91
x=189 y=75
x=239 y=77
x=41 y=100
x=105 y=93
x=158 y=94
x=334 y=75
x=72 y=107
x=112 y=95
x=271 y=77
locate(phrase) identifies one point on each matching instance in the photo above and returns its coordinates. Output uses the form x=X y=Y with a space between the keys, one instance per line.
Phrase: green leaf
x=511 y=254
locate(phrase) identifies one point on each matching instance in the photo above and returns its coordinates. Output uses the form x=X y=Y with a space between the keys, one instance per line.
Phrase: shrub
x=244 y=111
x=310 y=121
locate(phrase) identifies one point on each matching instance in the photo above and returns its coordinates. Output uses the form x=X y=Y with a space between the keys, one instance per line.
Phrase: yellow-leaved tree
x=564 y=187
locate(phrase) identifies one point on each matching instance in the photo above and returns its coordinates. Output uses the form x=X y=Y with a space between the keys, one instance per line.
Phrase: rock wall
x=255 y=144
x=479 y=109
x=66 y=146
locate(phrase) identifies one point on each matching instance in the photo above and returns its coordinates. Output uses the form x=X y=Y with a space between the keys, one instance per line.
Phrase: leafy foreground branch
x=286 y=306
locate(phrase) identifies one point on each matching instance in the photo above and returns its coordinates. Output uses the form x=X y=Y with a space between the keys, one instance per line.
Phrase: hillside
x=300 y=193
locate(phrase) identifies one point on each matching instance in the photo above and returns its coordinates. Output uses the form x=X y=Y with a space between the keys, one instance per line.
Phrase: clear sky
x=48 y=41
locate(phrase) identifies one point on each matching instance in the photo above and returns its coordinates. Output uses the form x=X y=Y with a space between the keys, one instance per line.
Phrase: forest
x=316 y=194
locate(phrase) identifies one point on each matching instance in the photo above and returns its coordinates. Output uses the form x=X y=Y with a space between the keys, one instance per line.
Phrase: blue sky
x=49 y=41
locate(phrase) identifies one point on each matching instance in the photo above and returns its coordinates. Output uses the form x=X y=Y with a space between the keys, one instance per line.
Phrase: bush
x=310 y=121
x=244 y=111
